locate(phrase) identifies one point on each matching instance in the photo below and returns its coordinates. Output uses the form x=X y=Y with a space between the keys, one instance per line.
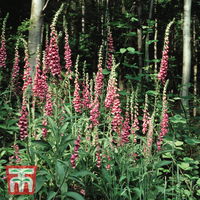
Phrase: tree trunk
x=139 y=34
x=35 y=32
x=186 y=52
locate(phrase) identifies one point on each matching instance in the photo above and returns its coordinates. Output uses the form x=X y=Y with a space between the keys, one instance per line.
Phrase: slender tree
x=186 y=52
x=35 y=31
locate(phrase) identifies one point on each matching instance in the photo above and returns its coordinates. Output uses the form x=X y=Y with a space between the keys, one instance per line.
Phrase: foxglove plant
x=99 y=77
x=117 y=118
x=94 y=106
x=165 y=57
x=112 y=87
x=77 y=99
x=164 y=120
x=53 y=57
x=94 y=113
x=148 y=145
x=74 y=156
x=16 y=157
x=23 y=121
x=3 y=54
x=48 y=111
x=126 y=129
x=68 y=60
x=40 y=86
x=110 y=48
x=27 y=76
x=16 y=68
x=86 y=92
x=145 y=116
x=135 y=124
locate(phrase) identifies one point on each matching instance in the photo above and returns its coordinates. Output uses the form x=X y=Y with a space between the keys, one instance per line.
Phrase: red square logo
x=21 y=179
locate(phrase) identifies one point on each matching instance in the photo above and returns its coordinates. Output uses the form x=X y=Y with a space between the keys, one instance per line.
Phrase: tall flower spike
x=68 y=60
x=126 y=127
x=99 y=77
x=27 y=76
x=3 y=54
x=77 y=99
x=53 y=57
x=46 y=58
x=74 y=156
x=164 y=120
x=112 y=87
x=94 y=106
x=40 y=86
x=145 y=116
x=110 y=49
x=117 y=118
x=16 y=68
x=135 y=125
x=23 y=122
x=148 y=147
x=165 y=57
x=16 y=157
x=86 y=92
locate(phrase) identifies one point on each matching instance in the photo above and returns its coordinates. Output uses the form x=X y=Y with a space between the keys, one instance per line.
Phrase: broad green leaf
x=178 y=143
x=105 y=72
x=178 y=119
x=192 y=141
x=152 y=92
x=75 y=195
x=60 y=172
x=198 y=182
x=40 y=180
x=131 y=34
x=82 y=173
x=64 y=188
x=122 y=50
x=64 y=128
x=163 y=163
x=184 y=166
x=41 y=145
x=51 y=195
x=133 y=19
x=131 y=50
x=123 y=92
x=151 y=41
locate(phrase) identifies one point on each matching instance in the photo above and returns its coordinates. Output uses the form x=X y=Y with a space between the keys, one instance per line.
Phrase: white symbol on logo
x=21 y=179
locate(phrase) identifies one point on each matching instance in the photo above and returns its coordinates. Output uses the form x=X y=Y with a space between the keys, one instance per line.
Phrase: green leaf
x=75 y=195
x=192 y=141
x=178 y=119
x=64 y=128
x=40 y=180
x=198 y=182
x=64 y=188
x=133 y=19
x=122 y=50
x=123 y=92
x=178 y=143
x=151 y=41
x=163 y=163
x=60 y=172
x=184 y=166
x=41 y=145
x=129 y=77
x=51 y=195
x=82 y=173
x=131 y=50
x=130 y=34
x=105 y=72
x=152 y=93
